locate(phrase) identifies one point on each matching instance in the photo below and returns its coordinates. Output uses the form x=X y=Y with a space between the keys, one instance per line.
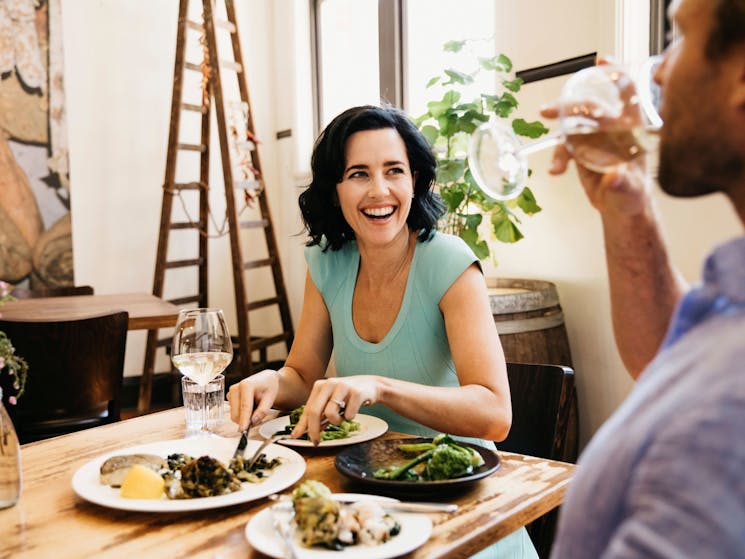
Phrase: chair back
x=541 y=399
x=23 y=293
x=75 y=373
x=541 y=403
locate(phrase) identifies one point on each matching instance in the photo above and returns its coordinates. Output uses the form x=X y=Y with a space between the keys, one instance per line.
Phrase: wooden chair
x=23 y=293
x=75 y=373
x=541 y=402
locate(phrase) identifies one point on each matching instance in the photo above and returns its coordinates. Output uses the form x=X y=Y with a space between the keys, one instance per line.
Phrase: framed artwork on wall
x=35 y=224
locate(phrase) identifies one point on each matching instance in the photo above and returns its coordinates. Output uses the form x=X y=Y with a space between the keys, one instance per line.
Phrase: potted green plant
x=448 y=125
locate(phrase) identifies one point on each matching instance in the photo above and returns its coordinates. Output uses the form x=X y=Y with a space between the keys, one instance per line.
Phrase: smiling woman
x=403 y=307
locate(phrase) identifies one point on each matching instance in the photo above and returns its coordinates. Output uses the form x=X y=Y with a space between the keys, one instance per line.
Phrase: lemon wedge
x=142 y=483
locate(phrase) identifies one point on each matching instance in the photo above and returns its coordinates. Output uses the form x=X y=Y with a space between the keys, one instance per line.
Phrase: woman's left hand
x=335 y=399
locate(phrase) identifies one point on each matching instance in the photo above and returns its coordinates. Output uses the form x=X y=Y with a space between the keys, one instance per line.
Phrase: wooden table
x=51 y=521
x=145 y=311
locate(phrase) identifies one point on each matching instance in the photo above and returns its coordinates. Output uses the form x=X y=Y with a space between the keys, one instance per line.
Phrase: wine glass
x=201 y=349
x=606 y=119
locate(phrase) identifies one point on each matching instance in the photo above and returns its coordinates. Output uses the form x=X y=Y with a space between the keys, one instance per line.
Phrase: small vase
x=10 y=460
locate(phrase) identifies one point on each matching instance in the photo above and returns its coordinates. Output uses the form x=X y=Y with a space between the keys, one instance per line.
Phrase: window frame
x=391 y=53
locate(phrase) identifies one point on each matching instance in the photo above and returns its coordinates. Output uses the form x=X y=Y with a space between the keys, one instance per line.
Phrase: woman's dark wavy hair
x=322 y=215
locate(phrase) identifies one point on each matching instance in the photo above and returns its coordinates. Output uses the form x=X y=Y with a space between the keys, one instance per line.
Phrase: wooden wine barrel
x=531 y=329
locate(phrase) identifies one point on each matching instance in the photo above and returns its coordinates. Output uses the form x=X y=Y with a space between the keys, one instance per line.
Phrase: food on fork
x=322 y=520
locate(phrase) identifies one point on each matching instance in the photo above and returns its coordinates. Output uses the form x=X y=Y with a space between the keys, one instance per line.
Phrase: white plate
x=370 y=427
x=86 y=482
x=415 y=530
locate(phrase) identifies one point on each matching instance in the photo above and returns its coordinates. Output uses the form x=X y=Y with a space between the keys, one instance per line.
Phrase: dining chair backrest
x=541 y=399
x=75 y=373
x=23 y=293
x=541 y=403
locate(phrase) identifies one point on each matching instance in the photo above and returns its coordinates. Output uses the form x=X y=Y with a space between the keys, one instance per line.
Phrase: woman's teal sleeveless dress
x=415 y=348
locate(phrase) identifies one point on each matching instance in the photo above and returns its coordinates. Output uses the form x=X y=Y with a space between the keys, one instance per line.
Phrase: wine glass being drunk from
x=606 y=119
x=201 y=350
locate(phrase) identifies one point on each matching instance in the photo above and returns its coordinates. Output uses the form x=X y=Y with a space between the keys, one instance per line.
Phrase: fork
x=281 y=521
x=265 y=443
x=273 y=439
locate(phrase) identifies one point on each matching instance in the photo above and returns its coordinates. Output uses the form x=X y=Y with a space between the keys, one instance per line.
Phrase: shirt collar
x=724 y=270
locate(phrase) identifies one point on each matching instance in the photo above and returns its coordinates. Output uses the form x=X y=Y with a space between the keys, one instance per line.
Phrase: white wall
x=119 y=71
x=119 y=58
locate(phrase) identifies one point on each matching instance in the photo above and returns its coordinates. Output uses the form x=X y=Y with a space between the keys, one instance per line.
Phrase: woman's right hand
x=253 y=397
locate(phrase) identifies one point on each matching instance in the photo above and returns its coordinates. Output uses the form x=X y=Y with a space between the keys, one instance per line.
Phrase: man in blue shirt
x=665 y=476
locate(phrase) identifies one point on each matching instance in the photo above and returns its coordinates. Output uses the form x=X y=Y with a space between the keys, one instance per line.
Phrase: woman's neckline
x=409 y=264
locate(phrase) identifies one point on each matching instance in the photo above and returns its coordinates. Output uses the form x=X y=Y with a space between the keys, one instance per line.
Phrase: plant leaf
x=470 y=121
x=505 y=230
x=478 y=246
x=457 y=77
x=498 y=63
x=527 y=202
x=438 y=108
x=513 y=85
x=448 y=123
x=432 y=81
x=431 y=133
x=473 y=221
x=453 y=46
x=501 y=105
x=450 y=170
x=453 y=198
x=533 y=129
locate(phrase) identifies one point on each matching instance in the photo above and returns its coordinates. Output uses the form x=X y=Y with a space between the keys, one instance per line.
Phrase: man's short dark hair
x=728 y=29
x=319 y=204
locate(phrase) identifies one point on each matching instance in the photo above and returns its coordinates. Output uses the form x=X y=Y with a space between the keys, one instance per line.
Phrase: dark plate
x=358 y=462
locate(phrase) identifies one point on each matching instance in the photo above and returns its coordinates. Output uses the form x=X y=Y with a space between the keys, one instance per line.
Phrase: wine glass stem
x=543 y=143
x=204 y=408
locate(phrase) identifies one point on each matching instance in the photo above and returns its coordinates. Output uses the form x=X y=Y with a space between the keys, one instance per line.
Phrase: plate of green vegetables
x=351 y=431
x=417 y=464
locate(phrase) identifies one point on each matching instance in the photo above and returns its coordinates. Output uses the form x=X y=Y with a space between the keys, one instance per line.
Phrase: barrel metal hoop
x=530 y=324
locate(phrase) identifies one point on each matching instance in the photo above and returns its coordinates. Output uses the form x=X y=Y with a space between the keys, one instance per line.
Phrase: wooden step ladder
x=236 y=138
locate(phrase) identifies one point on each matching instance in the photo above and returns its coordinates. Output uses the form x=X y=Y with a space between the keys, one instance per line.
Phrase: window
x=431 y=23
x=347 y=55
x=370 y=51
x=659 y=26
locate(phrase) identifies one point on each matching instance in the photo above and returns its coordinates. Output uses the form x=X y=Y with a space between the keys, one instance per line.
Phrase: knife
x=242 y=442
x=402 y=506
x=390 y=505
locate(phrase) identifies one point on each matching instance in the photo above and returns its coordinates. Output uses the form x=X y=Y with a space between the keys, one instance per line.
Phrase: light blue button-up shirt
x=665 y=475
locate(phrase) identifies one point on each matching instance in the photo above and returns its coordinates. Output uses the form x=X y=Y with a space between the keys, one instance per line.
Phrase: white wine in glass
x=201 y=349
x=606 y=119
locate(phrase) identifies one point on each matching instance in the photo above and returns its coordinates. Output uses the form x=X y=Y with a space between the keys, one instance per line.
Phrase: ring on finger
x=341 y=403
